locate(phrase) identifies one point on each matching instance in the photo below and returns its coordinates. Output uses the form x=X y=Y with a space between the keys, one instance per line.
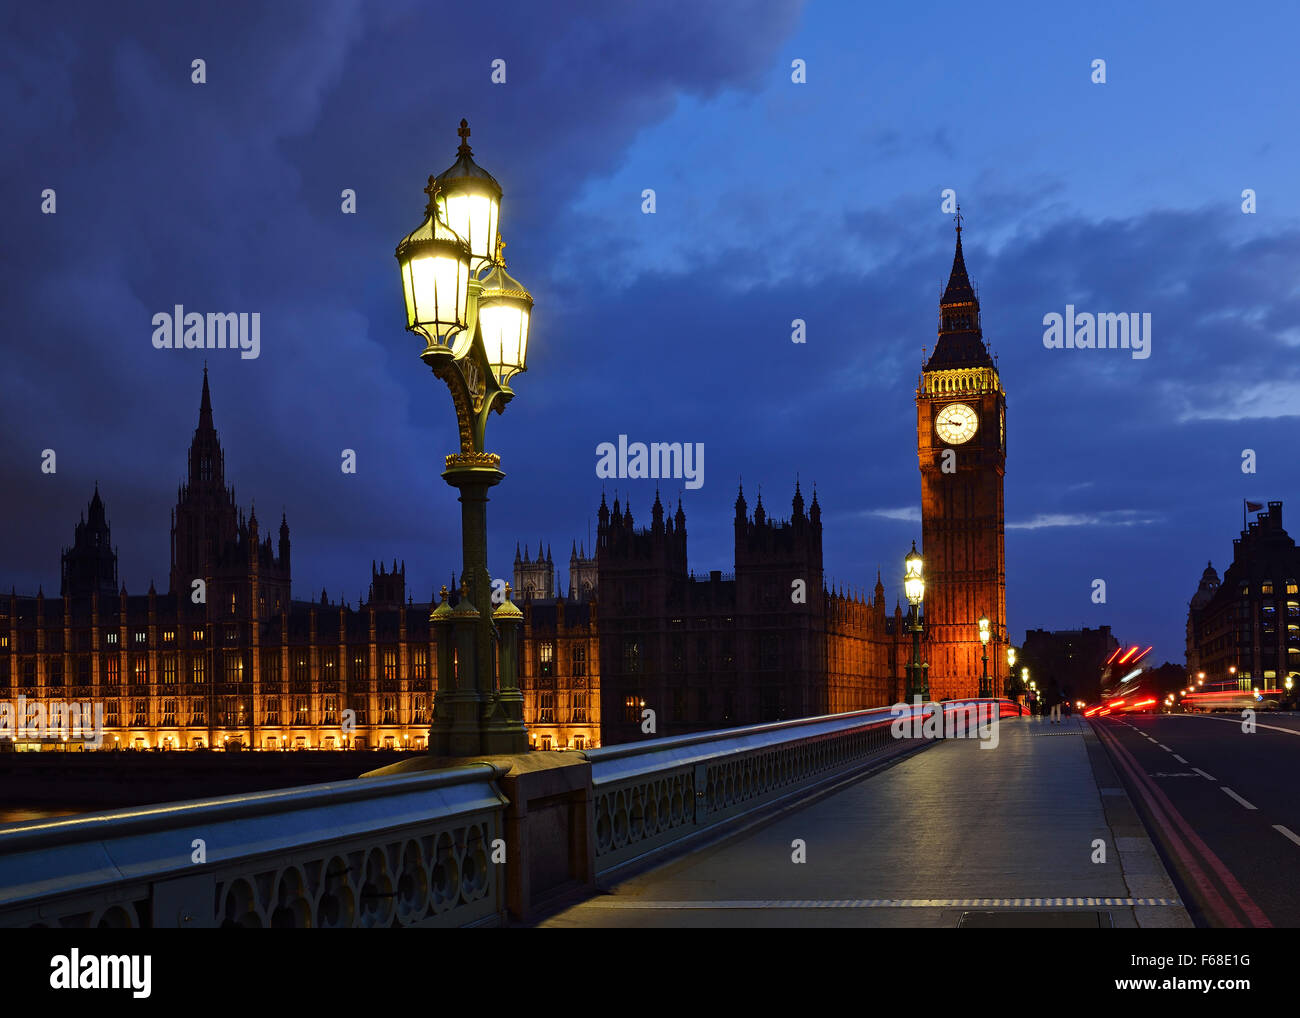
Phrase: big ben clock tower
x=961 y=437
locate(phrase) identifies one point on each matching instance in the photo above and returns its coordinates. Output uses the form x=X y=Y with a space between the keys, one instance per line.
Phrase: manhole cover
x=1035 y=920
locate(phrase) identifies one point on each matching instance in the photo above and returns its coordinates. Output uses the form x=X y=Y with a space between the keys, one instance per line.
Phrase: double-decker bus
x=1125 y=687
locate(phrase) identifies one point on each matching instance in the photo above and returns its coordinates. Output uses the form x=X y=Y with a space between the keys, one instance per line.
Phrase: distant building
x=559 y=655
x=961 y=435
x=766 y=643
x=560 y=673
x=1250 y=622
x=1205 y=592
x=225 y=655
x=1076 y=658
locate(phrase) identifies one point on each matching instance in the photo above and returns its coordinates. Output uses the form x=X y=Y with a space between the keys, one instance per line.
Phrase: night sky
x=775 y=201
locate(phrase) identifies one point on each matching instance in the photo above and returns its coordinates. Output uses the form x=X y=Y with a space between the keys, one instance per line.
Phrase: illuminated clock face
x=956 y=423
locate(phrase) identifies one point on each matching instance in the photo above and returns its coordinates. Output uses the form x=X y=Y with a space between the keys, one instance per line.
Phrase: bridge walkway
x=954 y=834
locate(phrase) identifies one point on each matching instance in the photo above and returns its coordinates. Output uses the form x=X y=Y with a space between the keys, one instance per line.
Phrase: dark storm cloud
x=225 y=196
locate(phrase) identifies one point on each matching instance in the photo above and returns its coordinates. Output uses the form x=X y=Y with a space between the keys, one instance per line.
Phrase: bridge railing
x=415 y=849
x=458 y=846
x=650 y=796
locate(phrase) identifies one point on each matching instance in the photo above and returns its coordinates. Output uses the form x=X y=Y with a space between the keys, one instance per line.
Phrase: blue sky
x=775 y=201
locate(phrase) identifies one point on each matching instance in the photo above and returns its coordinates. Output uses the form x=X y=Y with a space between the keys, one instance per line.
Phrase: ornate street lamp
x=914 y=589
x=985 y=635
x=474 y=319
x=1011 y=671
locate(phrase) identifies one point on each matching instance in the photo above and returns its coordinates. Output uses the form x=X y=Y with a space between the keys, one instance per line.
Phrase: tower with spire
x=961 y=451
x=534 y=578
x=211 y=539
x=90 y=565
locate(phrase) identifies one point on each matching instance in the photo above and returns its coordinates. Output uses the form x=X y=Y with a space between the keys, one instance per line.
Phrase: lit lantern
x=470 y=200
x=913 y=584
x=504 y=308
x=985 y=633
x=435 y=280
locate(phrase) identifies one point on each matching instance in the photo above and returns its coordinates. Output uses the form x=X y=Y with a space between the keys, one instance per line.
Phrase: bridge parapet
x=657 y=795
x=411 y=850
x=417 y=844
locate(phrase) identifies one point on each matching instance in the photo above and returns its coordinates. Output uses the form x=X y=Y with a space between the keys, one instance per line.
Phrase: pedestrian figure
x=1054 y=700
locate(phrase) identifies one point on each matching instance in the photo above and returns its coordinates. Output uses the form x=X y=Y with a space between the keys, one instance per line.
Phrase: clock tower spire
x=961 y=450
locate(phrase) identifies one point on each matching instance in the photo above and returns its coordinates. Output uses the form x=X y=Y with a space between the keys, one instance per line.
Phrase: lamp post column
x=473 y=480
x=919 y=685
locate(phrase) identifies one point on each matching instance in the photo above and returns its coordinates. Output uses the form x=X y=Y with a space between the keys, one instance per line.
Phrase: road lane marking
x=1187 y=845
x=1286 y=833
x=1164 y=747
x=1236 y=796
x=614 y=901
x=1237 y=721
x=1207 y=777
x=1179 y=758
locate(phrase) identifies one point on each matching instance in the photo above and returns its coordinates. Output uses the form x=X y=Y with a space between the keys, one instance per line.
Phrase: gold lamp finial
x=463 y=132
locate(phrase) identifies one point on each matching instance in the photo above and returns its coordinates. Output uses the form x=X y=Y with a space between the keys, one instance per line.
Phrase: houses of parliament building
x=227 y=657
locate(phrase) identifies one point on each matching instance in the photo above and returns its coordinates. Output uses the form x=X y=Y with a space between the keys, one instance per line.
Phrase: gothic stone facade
x=962 y=449
x=766 y=643
x=245 y=663
x=559 y=655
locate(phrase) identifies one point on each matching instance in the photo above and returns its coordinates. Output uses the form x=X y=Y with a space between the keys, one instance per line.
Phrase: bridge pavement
x=950 y=830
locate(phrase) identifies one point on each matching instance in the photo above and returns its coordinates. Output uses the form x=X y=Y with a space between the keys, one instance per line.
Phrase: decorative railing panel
x=652 y=794
x=409 y=850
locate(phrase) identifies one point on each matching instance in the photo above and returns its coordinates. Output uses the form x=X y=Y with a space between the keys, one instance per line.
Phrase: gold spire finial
x=463 y=132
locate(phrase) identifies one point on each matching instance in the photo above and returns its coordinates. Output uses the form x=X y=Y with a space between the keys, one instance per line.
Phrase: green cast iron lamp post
x=474 y=319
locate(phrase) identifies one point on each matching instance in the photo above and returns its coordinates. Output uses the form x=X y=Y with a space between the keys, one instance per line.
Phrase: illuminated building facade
x=1247 y=630
x=225 y=657
x=961 y=429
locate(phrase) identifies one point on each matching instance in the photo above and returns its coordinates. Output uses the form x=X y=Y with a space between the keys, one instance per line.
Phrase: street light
x=914 y=589
x=474 y=319
x=1011 y=672
x=985 y=634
